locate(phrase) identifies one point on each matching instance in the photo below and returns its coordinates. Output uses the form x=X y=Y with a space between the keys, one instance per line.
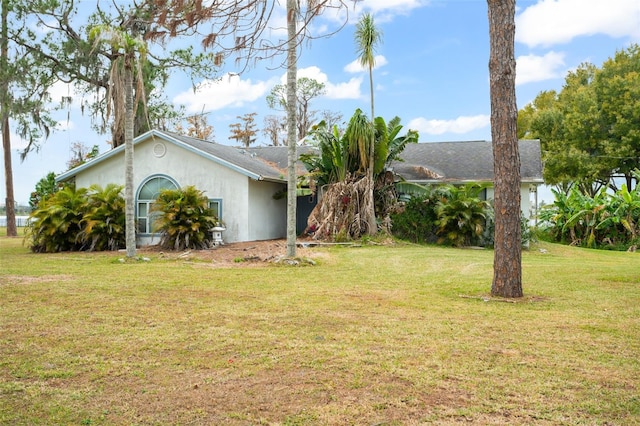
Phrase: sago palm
x=103 y=225
x=185 y=219
x=55 y=225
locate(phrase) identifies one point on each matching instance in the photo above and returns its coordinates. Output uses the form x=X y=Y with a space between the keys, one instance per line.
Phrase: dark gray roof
x=423 y=162
x=236 y=157
x=463 y=161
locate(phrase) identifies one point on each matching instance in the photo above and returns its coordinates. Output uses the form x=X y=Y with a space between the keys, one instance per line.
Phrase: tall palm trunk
x=373 y=225
x=507 y=262
x=130 y=229
x=4 y=117
x=292 y=70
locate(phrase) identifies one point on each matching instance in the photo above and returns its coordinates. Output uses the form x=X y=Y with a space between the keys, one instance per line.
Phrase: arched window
x=147 y=195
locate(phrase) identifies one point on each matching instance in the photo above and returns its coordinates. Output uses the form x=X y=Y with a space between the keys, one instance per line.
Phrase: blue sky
x=432 y=72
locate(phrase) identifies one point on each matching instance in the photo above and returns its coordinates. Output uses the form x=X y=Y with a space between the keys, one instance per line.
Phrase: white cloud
x=550 y=22
x=345 y=90
x=386 y=10
x=459 y=125
x=356 y=67
x=229 y=91
x=532 y=68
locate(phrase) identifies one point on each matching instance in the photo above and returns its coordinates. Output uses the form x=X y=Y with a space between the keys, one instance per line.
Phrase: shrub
x=462 y=216
x=54 y=225
x=185 y=219
x=103 y=225
x=75 y=220
x=414 y=221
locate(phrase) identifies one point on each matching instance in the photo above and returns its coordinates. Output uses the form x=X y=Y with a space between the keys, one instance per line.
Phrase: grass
x=372 y=335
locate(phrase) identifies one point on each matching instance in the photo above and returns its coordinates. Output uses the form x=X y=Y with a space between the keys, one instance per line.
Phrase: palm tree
x=132 y=49
x=292 y=75
x=341 y=164
x=367 y=38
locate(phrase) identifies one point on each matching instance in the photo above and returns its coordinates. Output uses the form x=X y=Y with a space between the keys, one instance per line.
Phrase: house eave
x=167 y=138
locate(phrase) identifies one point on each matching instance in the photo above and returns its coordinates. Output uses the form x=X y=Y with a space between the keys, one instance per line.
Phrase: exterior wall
x=525 y=199
x=267 y=216
x=186 y=168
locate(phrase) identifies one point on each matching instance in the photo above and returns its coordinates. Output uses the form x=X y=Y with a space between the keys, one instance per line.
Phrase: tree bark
x=371 y=213
x=292 y=71
x=507 y=263
x=130 y=227
x=12 y=230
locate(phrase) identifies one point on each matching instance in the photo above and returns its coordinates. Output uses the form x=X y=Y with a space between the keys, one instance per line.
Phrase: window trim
x=149 y=202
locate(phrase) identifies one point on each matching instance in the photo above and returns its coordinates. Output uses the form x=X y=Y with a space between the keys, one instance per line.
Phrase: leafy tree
x=24 y=86
x=245 y=131
x=617 y=90
x=507 y=264
x=367 y=38
x=185 y=219
x=45 y=187
x=307 y=89
x=130 y=48
x=587 y=130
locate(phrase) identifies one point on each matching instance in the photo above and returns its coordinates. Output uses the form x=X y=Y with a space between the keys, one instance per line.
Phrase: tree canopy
x=590 y=130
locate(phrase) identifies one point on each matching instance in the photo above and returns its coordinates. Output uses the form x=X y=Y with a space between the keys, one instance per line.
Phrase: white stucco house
x=471 y=162
x=239 y=186
x=242 y=184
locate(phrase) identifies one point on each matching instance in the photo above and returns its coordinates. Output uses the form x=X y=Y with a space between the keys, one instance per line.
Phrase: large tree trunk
x=292 y=71
x=342 y=211
x=130 y=226
x=507 y=263
x=6 y=135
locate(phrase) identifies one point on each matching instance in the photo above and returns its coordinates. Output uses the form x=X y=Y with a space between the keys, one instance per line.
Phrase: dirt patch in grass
x=242 y=254
x=28 y=279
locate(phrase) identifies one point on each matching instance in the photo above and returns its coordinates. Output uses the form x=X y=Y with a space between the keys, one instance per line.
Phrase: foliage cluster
x=605 y=220
x=589 y=130
x=186 y=219
x=94 y=219
x=78 y=219
x=449 y=215
x=444 y=214
x=341 y=167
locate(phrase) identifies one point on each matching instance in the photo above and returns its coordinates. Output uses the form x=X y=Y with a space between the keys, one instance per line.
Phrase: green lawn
x=385 y=335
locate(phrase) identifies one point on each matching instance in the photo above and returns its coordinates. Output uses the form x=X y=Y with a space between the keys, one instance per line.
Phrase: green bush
x=54 y=225
x=103 y=224
x=185 y=219
x=462 y=215
x=415 y=220
x=78 y=219
x=606 y=220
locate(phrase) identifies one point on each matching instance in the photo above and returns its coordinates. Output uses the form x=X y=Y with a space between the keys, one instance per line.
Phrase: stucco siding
x=525 y=199
x=267 y=216
x=185 y=168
